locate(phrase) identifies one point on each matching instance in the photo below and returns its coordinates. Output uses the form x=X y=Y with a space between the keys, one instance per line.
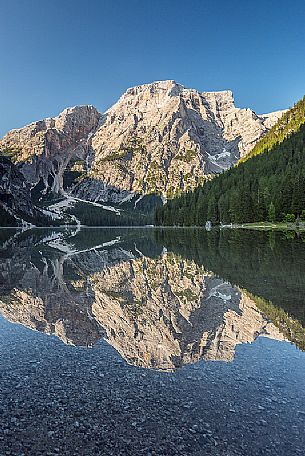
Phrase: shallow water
x=151 y=341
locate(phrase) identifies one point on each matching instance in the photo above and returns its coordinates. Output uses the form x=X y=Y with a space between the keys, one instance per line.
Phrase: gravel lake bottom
x=58 y=399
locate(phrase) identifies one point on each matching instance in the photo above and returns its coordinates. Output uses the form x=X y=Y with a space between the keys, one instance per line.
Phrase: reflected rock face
x=160 y=312
x=167 y=312
x=35 y=293
x=45 y=302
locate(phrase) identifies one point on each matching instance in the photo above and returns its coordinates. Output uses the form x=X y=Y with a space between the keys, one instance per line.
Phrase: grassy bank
x=266 y=226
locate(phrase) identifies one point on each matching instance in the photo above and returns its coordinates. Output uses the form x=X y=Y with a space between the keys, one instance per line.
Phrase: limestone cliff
x=44 y=149
x=159 y=137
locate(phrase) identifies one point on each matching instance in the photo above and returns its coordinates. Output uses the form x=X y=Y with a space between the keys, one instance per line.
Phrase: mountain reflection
x=158 y=307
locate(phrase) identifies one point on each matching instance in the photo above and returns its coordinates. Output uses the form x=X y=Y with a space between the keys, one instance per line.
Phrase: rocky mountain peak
x=77 y=118
x=169 y=87
x=158 y=138
x=164 y=138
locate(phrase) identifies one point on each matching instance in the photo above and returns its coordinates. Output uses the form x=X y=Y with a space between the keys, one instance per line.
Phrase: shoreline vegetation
x=258 y=226
x=267 y=226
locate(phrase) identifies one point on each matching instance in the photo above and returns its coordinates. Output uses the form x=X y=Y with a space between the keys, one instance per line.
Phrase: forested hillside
x=289 y=123
x=269 y=186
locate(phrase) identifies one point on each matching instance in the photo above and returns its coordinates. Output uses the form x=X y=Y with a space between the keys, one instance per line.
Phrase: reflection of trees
x=289 y=327
x=267 y=265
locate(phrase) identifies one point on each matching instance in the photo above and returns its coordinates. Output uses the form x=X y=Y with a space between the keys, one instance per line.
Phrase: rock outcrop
x=158 y=138
x=44 y=149
x=15 y=197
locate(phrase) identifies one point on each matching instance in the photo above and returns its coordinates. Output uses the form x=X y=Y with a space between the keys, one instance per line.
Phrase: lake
x=146 y=341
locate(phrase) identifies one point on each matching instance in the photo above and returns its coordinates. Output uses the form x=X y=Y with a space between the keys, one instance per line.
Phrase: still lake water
x=152 y=342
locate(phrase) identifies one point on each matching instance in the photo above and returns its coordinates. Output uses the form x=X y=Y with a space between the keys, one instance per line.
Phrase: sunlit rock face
x=44 y=148
x=158 y=313
x=162 y=137
x=159 y=137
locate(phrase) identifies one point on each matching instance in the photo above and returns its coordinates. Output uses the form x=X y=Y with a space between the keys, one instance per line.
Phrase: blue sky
x=60 y=53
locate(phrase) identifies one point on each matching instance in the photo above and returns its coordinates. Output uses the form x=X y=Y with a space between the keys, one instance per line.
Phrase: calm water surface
x=152 y=342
